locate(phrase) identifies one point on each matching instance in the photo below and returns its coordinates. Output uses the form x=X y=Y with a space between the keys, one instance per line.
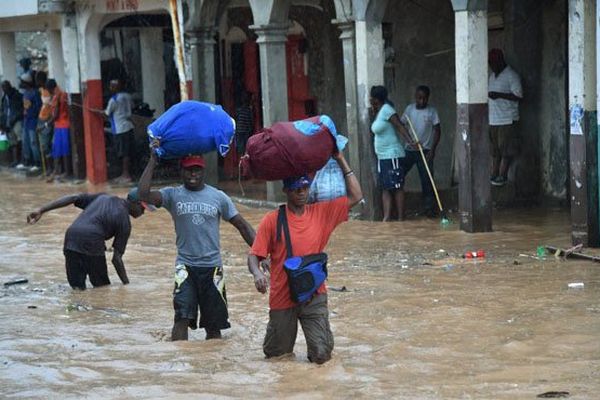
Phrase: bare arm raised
x=145 y=194
x=352 y=185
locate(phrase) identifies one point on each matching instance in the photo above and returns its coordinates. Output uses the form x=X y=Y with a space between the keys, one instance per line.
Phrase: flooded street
x=416 y=321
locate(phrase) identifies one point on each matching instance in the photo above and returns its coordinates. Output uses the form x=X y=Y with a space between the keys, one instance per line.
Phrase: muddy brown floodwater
x=416 y=322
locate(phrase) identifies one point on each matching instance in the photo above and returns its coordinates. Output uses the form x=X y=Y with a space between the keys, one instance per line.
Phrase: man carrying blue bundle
x=294 y=237
x=196 y=209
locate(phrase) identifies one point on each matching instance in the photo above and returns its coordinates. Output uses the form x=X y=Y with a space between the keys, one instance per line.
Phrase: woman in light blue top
x=389 y=135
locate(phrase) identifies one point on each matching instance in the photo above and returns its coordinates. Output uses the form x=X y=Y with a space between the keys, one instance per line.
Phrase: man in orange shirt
x=309 y=229
x=61 y=143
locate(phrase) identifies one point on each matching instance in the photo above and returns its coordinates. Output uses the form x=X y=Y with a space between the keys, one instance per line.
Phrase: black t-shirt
x=103 y=217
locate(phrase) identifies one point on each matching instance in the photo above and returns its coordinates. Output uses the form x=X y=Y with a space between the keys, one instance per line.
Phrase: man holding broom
x=426 y=124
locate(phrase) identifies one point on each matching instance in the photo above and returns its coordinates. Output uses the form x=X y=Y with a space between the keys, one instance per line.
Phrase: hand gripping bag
x=192 y=127
x=290 y=149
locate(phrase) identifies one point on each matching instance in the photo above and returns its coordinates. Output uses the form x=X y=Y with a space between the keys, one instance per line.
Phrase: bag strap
x=282 y=222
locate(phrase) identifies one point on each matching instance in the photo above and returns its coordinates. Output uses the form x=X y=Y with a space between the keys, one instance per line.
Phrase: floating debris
x=16 y=282
x=337 y=289
x=576 y=285
x=553 y=395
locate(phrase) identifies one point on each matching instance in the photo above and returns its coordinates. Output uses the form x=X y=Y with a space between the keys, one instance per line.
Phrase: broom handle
x=437 y=196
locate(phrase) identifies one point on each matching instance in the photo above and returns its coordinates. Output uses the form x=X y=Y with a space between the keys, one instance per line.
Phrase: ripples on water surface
x=416 y=322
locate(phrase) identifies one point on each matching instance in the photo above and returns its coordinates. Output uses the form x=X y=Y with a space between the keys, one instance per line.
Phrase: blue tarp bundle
x=310 y=127
x=192 y=127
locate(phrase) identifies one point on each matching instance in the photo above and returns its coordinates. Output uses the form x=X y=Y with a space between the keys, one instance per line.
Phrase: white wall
x=13 y=8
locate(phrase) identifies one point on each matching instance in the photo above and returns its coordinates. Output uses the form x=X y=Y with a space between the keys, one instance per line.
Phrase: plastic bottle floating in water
x=541 y=251
x=474 y=254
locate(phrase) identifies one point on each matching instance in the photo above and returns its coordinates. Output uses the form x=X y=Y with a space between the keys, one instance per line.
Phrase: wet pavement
x=416 y=322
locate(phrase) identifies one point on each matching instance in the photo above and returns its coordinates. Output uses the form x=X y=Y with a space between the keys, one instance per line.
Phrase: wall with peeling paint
x=420 y=51
x=554 y=162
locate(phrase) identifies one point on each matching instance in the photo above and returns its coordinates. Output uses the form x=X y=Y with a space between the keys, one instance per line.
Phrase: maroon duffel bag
x=281 y=151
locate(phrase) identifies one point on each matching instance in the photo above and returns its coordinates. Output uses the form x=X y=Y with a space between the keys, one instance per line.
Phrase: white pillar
x=70 y=54
x=471 y=48
x=202 y=55
x=153 y=68
x=273 y=75
x=56 y=67
x=202 y=49
x=369 y=72
x=273 y=72
x=8 y=58
x=583 y=140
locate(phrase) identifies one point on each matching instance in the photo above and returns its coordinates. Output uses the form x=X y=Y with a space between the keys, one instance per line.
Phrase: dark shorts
x=503 y=141
x=124 y=144
x=391 y=174
x=79 y=266
x=283 y=327
x=203 y=288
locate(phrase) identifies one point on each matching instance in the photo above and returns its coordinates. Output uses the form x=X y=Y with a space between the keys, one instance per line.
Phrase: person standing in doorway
x=426 y=122
x=61 y=142
x=11 y=119
x=118 y=111
x=389 y=133
x=32 y=103
x=196 y=209
x=505 y=93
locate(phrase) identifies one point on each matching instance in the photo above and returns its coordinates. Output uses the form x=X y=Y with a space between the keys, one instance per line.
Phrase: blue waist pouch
x=305 y=273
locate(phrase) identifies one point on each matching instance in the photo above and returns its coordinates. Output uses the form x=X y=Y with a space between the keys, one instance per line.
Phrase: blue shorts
x=61 y=146
x=391 y=174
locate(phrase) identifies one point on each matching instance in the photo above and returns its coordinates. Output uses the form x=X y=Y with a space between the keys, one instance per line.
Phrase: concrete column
x=273 y=74
x=202 y=44
x=55 y=57
x=202 y=51
x=153 y=68
x=598 y=99
x=357 y=141
x=583 y=138
x=369 y=72
x=8 y=58
x=474 y=197
x=93 y=124
x=66 y=63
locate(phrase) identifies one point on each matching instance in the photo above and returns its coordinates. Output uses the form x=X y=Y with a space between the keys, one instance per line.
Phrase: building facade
x=300 y=57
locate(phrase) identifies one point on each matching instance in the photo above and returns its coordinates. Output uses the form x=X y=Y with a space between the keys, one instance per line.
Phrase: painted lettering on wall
x=122 y=5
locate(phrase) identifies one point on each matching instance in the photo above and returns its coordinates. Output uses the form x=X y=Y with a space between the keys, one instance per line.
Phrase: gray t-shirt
x=119 y=111
x=423 y=121
x=196 y=215
x=103 y=217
